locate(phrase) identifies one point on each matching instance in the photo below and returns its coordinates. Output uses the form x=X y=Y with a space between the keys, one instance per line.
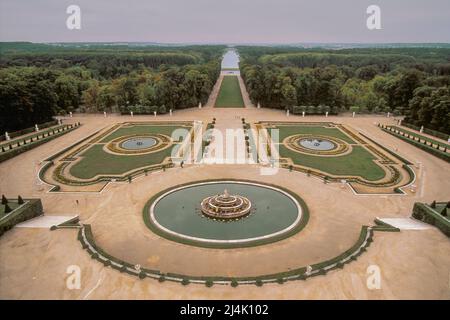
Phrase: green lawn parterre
x=289 y=130
x=95 y=161
x=359 y=162
x=230 y=95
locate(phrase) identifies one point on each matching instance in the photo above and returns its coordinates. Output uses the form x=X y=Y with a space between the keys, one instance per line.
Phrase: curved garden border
x=86 y=237
x=299 y=223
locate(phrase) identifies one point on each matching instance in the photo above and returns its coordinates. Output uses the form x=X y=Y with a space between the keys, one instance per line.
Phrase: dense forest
x=38 y=81
x=413 y=82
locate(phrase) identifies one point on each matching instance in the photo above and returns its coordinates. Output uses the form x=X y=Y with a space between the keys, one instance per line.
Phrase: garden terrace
x=366 y=166
x=95 y=162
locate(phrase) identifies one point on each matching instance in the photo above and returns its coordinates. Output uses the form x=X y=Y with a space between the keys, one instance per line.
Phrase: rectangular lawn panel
x=358 y=163
x=286 y=131
x=230 y=95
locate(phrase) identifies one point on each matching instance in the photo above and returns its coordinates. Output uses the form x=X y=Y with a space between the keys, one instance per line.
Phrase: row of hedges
x=143 y=110
x=365 y=238
x=436 y=152
x=28 y=130
x=8 y=154
x=425 y=213
x=431 y=132
x=30 y=209
x=315 y=110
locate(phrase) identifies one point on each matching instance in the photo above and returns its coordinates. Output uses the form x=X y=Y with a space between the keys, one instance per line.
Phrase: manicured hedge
x=425 y=213
x=431 y=132
x=30 y=209
x=31 y=145
x=28 y=130
x=438 y=153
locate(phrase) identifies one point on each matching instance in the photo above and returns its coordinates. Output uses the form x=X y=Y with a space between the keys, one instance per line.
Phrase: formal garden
x=118 y=153
x=336 y=153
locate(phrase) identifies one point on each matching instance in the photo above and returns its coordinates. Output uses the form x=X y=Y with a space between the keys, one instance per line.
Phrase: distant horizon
x=227 y=43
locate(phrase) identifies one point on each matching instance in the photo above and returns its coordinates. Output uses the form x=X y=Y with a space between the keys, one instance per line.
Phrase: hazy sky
x=225 y=21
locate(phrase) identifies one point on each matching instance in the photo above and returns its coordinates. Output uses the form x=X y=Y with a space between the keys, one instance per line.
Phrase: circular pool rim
x=153 y=224
x=154 y=140
x=333 y=145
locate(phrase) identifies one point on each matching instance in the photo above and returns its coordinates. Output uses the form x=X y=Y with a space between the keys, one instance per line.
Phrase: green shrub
x=20 y=200
x=4 y=200
x=280 y=280
x=209 y=283
x=107 y=263
x=142 y=275
x=7 y=208
x=94 y=255
x=53 y=228
x=259 y=283
x=162 y=279
x=185 y=282
x=234 y=283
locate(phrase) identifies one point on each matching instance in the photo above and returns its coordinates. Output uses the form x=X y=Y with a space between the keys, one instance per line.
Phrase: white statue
x=308 y=270
x=353 y=115
x=36 y=128
x=7 y=137
x=70 y=113
x=303 y=114
x=104 y=114
x=131 y=113
x=326 y=114
x=170 y=112
x=199 y=105
x=154 y=112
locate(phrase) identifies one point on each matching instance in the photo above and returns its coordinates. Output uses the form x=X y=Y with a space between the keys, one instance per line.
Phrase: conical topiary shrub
x=7 y=208
x=4 y=200
x=20 y=200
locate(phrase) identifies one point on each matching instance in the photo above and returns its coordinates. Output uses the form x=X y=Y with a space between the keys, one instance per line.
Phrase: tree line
x=37 y=85
x=360 y=80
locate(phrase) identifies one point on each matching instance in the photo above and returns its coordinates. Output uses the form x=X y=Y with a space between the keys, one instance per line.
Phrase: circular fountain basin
x=177 y=215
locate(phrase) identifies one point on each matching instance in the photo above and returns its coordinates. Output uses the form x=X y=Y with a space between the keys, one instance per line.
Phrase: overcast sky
x=225 y=21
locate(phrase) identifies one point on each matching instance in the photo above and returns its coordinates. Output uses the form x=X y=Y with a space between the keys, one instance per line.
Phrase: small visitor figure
x=182 y=164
